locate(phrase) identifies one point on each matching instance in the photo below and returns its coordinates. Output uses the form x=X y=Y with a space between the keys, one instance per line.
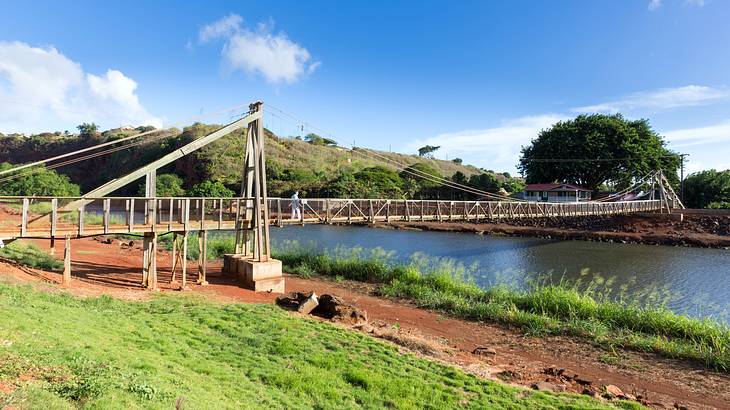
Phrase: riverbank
x=490 y=350
x=698 y=228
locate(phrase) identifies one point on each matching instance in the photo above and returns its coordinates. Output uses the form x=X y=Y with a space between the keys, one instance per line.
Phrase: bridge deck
x=45 y=217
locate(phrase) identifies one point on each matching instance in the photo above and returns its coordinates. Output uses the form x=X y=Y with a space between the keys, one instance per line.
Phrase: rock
x=292 y=300
x=507 y=375
x=333 y=308
x=484 y=351
x=309 y=304
x=612 y=391
x=547 y=386
x=554 y=371
x=592 y=393
x=365 y=327
x=7 y=343
x=582 y=381
x=680 y=406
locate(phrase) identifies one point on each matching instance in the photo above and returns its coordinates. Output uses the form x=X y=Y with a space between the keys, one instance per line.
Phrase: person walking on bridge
x=296 y=203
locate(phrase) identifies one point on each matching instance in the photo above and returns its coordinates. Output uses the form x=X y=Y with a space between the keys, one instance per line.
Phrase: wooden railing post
x=24 y=217
x=81 y=217
x=106 y=205
x=54 y=216
x=130 y=217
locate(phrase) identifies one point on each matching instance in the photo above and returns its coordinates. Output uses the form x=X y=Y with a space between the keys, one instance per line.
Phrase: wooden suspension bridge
x=65 y=218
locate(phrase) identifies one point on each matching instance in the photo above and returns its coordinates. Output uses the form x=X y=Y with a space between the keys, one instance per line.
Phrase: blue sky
x=479 y=78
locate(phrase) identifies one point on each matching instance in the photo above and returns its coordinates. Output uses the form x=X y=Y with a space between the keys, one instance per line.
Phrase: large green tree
x=592 y=149
x=37 y=181
x=707 y=189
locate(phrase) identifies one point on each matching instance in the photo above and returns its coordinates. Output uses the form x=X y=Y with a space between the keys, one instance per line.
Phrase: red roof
x=554 y=187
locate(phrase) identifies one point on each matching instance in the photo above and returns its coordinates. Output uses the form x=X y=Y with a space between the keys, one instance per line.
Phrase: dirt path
x=506 y=353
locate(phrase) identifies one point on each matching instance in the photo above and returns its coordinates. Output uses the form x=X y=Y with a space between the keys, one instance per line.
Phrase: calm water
x=700 y=278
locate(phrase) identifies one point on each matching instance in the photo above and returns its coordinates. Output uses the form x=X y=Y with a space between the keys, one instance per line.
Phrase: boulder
x=333 y=308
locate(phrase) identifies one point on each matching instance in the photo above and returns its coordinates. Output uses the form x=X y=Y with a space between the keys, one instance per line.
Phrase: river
x=696 y=277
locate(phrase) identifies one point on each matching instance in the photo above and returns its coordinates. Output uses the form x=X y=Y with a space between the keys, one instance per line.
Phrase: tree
x=513 y=185
x=88 y=131
x=167 y=185
x=485 y=182
x=707 y=189
x=568 y=152
x=380 y=182
x=315 y=139
x=457 y=161
x=41 y=182
x=210 y=189
x=419 y=180
x=427 y=151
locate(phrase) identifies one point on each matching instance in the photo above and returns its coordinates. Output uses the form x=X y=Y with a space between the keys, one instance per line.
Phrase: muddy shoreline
x=694 y=228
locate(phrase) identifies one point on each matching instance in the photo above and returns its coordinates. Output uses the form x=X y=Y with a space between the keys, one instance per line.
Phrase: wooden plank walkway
x=45 y=217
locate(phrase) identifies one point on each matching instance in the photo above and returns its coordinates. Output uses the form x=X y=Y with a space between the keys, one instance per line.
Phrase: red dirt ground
x=664 y=383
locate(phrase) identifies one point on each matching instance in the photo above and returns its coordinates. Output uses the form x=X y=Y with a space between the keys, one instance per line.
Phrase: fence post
x=106 y=205
x=279 y=216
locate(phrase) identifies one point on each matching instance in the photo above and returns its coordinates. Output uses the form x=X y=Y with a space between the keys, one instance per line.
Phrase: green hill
x=314 y=169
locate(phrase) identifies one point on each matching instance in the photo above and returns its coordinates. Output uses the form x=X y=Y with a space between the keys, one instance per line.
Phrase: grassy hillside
x=60 y=352
x=292 y=164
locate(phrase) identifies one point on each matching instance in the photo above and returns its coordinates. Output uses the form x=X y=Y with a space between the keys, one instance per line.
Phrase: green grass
x=68 y=352
x=30 y=255
x=541 y=309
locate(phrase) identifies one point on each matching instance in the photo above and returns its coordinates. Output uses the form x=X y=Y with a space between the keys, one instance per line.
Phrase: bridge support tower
x=252 y=262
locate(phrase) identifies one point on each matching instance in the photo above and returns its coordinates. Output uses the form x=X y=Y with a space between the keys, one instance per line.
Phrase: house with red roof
x=556 y=193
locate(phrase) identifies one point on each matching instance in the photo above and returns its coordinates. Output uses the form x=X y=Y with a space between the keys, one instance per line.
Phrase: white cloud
x=225 y=27
x=656 y=4
x=41 y=90
x=259 y=51
x=661 y=99
x=496 y=147
x=710 y=134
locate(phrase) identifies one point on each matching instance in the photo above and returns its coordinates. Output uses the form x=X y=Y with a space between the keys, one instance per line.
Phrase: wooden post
x=152 y=274
x=184 y=255
x=54 y=215
x=220 y=213
x=372 y=214
x=387 y=212
x=67 y=262
x=328 y=211
x=81 y=217
x=130 y=218
x=145 y=259
x=202 y=257
x=279 y=216
x=24 y=218
x=106 y=215
x=422 y=202
x=174 y=257
x=408 y=214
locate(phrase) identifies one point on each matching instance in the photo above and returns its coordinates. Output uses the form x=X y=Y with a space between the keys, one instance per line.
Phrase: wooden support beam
x=202 y=257
x=175 y=255
x=184 y=256
x=67 y=262
x=24 y=218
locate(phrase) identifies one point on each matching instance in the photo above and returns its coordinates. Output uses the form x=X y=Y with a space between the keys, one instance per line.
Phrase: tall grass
x=578 y=308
